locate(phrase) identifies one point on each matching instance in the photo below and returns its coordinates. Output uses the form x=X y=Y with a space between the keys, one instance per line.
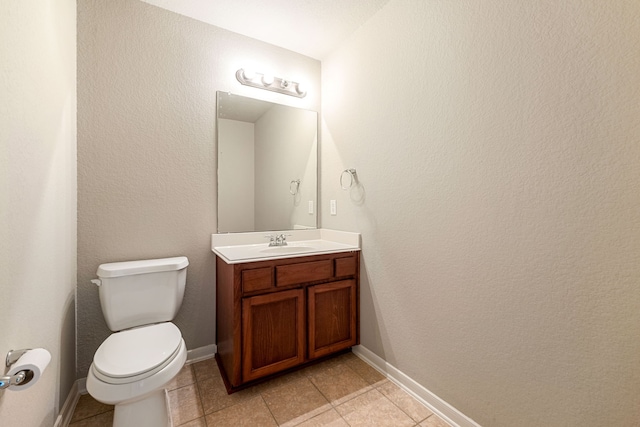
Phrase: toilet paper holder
x=14 y=355
x=19 y=378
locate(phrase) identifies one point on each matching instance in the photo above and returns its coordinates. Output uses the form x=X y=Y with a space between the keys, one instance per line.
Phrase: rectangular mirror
x=267 y=165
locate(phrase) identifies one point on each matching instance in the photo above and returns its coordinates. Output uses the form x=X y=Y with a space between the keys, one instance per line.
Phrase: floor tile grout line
x=383 y=382
x=354 y=395
x=89 y=417
x=405 y=412
x=413 y=399
x=287 y=384
x=197 y=389
x=373 y=387
x=95 y=414
x=197 y=383
x=320 y=391
x=268 y=408
x=328 y=400
x=334 y=407
x=331 y=405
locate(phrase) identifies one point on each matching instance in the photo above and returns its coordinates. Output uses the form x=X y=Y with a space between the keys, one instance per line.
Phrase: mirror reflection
x=267 y=165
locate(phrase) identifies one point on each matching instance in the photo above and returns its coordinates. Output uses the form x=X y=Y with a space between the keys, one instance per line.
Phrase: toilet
x=131 y=367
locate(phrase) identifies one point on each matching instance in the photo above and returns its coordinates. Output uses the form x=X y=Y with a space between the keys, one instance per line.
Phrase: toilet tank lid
x=128 y=268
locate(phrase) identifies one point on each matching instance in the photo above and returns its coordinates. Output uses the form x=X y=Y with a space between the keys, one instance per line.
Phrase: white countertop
x=235 y=248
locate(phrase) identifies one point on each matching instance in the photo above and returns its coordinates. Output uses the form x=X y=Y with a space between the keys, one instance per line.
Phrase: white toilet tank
x=136 y=293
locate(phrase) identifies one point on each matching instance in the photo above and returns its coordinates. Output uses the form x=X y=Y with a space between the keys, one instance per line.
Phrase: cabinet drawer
x=257 y=279
x=291 y=274
x=345 y=266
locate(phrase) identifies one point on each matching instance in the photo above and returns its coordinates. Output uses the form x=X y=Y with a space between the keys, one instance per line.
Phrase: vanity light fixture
x=269 y=82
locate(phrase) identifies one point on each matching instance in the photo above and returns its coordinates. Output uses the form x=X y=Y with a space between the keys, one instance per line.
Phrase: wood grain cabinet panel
x=303 y=272
x=257 y=279
x=273 y=333
x=332 y=317
x=345 y=266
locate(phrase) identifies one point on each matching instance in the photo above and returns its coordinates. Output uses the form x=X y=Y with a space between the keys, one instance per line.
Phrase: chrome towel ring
x=294 y=187
x=353 y=178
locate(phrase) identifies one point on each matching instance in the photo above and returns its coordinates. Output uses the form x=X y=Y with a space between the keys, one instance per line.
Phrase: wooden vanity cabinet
x=278 y=314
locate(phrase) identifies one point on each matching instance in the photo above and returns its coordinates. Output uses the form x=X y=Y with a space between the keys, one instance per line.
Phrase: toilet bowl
x=132 y=366
x=133 y=380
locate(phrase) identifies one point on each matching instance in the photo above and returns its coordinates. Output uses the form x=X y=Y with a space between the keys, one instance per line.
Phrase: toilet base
x=150 y=411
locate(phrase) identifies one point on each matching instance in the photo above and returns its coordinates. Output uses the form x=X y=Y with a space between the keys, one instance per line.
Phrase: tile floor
x=343 y=391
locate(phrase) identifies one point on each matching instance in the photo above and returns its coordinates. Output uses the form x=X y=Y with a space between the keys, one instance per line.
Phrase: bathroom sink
x=264 y=251
x=235 y=248
x=286 y=249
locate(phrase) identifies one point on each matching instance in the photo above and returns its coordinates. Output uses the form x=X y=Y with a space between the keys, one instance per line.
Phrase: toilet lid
x=135 y=351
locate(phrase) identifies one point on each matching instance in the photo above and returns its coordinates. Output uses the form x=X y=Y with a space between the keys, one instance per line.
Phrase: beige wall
x=236 y=194
x=38 y=199
x=147 y=81
x=498 y=147
x=286 y=150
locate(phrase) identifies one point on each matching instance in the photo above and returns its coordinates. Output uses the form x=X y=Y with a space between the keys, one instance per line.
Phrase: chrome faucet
x=277 y=240
x=281 y=240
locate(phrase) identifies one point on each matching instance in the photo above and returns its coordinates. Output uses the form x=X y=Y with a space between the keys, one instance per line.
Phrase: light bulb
x=248 y=74
x=301 y=88
x=267 y=79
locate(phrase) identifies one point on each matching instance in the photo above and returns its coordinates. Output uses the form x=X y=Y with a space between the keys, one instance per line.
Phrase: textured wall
x=38 y=199
x=498 y=147
x=147 y=81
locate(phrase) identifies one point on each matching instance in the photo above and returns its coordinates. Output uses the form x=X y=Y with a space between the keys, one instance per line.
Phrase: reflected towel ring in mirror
x=294 y=187
x=353 y=178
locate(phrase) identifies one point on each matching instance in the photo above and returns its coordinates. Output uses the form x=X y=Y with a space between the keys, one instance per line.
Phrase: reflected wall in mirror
x=267 y=165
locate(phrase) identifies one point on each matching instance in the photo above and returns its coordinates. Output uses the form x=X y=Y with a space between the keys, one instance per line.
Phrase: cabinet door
x=332 y=317
x=273 y=333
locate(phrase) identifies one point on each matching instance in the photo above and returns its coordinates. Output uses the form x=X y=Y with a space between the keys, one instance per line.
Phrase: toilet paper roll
x=36 y=361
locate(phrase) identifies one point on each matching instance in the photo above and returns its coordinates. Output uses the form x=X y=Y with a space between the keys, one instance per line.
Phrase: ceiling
x=311 y=27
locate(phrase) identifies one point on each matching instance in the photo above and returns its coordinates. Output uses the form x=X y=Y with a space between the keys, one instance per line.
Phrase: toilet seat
x=134 y=354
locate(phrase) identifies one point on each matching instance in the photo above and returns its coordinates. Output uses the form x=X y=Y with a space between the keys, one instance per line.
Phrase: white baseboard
x=64 y=417
x=423 y=395
x=201 y=353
